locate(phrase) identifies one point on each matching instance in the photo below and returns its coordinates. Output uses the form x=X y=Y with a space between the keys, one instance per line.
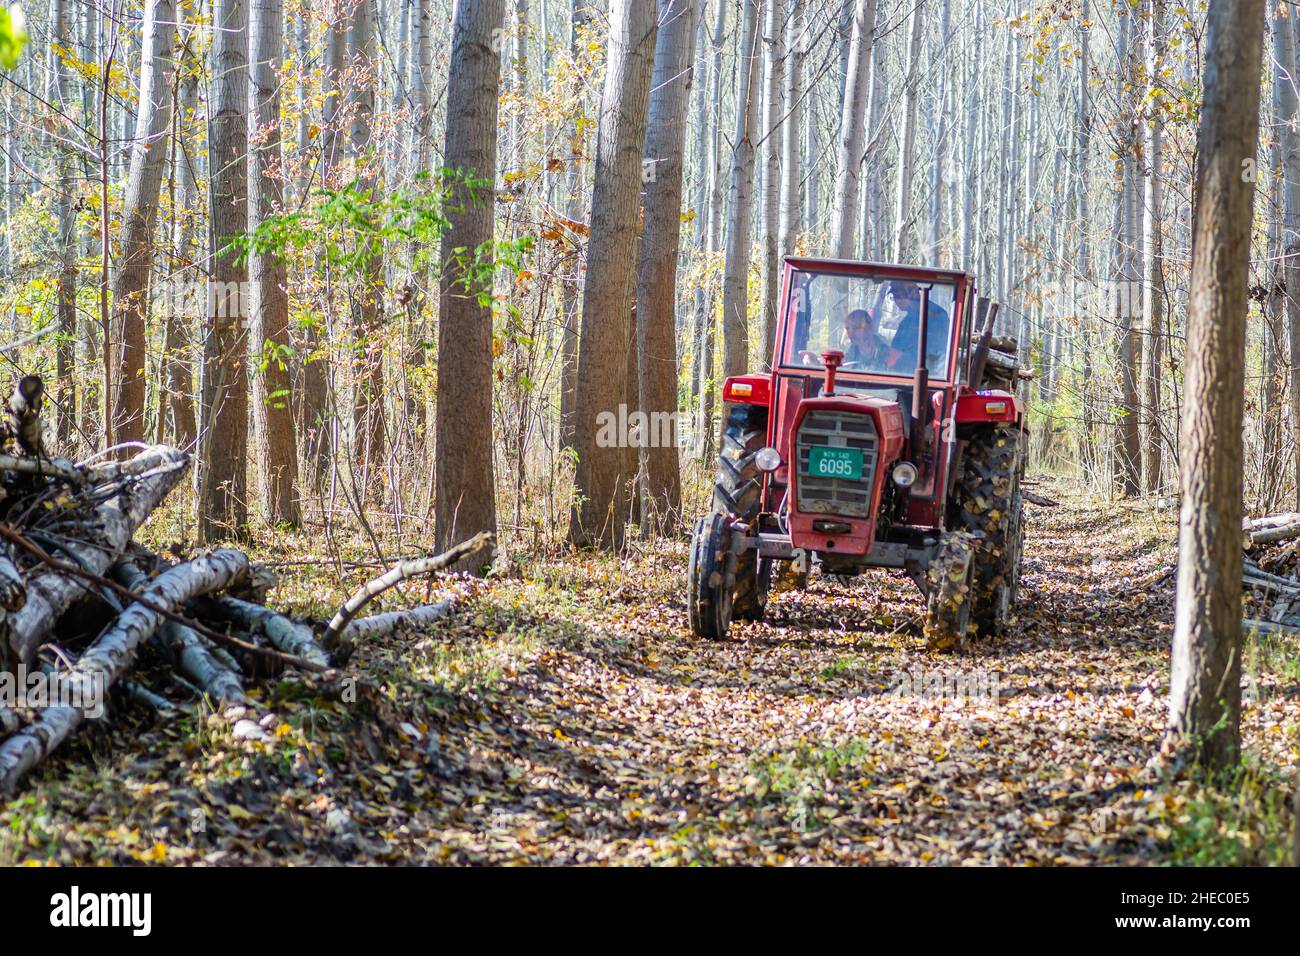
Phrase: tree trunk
x=277 y=449
x=465 y=500
x=1205 y=678
x=367 y=303
x=740 y=211
x=853 y=131
x=656 y=288
x=1291 y=242
x=1128 y=445
x=770 y=133
x=600 y=481
x=571 y=292
x=1153 y=299
x=178 y=351
x=65 y=358
x=708 y=334
x=791 y=165
x=221 y=471
x=904 y=228
x=148 y=161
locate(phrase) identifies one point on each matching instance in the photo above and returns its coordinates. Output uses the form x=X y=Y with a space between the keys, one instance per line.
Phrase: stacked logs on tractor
x=995 y=358
x=84 y=609
x=1271 y=545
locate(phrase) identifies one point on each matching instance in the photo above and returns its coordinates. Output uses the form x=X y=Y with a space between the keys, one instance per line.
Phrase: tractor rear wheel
x=949 y=578
x=738 y=492
x=987 y=503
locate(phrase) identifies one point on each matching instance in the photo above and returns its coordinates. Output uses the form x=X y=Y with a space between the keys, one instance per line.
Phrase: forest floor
x=566 y=715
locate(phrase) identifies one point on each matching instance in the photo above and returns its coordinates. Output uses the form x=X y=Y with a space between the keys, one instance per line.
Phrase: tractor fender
x=748 y=389
x=988 y=406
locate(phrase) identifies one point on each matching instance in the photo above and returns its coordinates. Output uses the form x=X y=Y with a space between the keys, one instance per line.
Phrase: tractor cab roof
x=882 y=269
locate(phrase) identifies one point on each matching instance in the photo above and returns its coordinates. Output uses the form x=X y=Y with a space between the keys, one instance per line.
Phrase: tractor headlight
x=767 y=459
x=904 y=474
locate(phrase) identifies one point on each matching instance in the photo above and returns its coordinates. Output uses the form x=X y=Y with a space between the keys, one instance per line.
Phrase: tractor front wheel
x=712 y=564
x=738 y=492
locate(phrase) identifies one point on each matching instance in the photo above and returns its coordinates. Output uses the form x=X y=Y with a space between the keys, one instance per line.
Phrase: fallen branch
x=1269 y=627
x=42 y=466
x=1255 y=572
x=109 y=656
x=1039 y=500
x=381 y=625
x=1273 y=534
x=335 y=632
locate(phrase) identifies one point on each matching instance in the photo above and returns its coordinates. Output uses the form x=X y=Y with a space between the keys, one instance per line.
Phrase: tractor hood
x=842 y=449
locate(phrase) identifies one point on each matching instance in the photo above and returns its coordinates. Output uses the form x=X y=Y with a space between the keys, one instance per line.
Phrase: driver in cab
x=863 y=348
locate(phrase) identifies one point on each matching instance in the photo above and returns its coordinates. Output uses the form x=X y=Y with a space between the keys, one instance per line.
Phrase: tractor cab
x=848 y=453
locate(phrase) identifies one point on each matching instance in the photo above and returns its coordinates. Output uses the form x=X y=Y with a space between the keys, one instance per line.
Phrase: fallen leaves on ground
x=566 y=715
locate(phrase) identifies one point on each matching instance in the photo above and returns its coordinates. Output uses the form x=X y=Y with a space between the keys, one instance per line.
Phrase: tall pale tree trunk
x=422 y=94
x=770 y=133
x=853 y=134
x=791 y=223
x=367 y=304
x=1205 y=677
x=148 y=162
x=221 y=468
x=740 y=207
x=571 y=288
x=1127 y=259
x=904 y=227
x=656 y=287
x=942 y=59
x=601 y=478
x=277 y=448
x=713 y=213
x=1291 y=244
x=1153 y=298
x=65 y=358
x=465 y=489
x=315 y=425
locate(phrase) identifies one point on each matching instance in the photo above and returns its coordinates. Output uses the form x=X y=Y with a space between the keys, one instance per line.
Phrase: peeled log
x=108 y=658
x=50 y=593
x=13 y=592
x=1269 y=533
x=381 y=625
x=281 y=632
x=195 y=657
x=1270 y=521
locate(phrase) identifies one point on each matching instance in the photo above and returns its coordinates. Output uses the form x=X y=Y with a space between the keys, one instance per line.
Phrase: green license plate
x=826 y=462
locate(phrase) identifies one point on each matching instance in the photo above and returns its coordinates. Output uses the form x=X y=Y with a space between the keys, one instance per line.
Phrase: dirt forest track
x=566 y=716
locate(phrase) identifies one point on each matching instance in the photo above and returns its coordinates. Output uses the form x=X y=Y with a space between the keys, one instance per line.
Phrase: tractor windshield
x=874 y=321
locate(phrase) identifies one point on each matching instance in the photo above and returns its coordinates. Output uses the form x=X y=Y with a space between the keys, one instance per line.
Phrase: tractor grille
x=836 y=496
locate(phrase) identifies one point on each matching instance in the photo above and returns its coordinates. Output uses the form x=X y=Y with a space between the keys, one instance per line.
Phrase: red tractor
x=887 y=435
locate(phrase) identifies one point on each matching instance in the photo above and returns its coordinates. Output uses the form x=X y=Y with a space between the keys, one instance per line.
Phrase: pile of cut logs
x=81 y=602
x=1280 y=535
